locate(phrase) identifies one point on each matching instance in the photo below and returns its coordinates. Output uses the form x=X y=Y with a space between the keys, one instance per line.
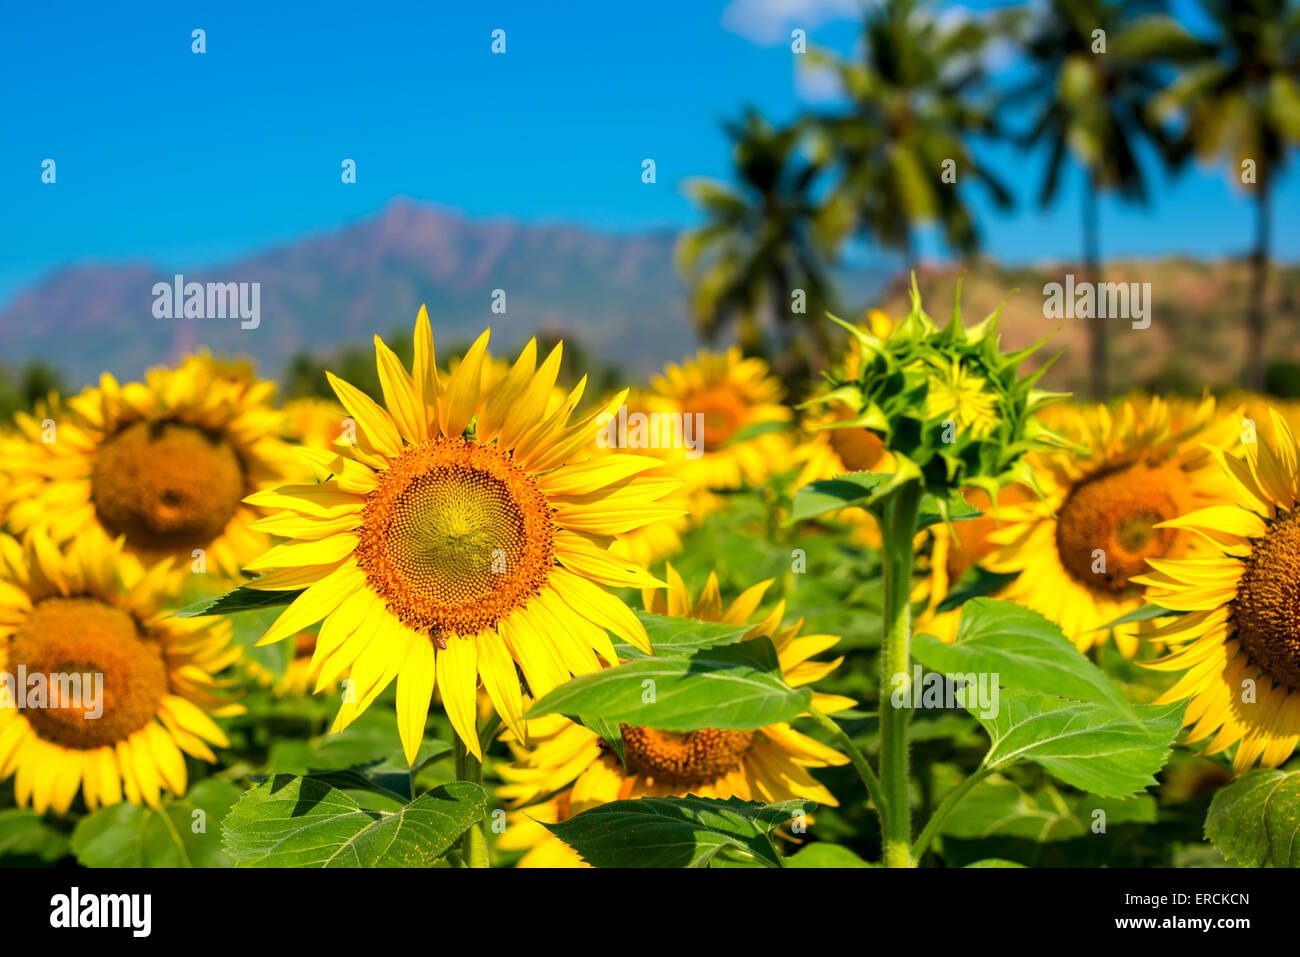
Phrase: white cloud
x=816 y=84
x=768 y=22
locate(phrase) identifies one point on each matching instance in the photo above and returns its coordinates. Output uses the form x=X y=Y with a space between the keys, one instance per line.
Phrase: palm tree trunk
x=1258 y=282
x=909 y=251
x=1098 y=378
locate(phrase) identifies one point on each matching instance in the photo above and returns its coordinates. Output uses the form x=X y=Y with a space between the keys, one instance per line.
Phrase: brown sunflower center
x=166 y=485
x=103 y=679
x=456 y=537
x=690 y=757
x=1266 y=611
x=969 y=543
x=724 y=414
x=1106 y=530
x=859 y=449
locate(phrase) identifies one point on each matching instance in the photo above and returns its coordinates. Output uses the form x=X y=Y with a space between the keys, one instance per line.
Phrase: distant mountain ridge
x=619 y=294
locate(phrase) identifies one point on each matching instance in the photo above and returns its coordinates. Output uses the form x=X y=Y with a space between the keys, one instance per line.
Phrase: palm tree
x=1095 y=67
x=1241 y=102
x=901 y=147
x=760 y=243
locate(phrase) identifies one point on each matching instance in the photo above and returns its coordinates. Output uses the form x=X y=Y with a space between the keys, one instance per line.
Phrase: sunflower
x=1101 y=518
x=96 y=612
x=461 y=534
x=314 y=421
x=163 y=463
x=730 y=407
x=1239 y=637
x=575 y=770
x=744 y=436
x=954 y=550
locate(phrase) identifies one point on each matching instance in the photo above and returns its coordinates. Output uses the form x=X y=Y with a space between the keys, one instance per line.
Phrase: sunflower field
x=931 y=616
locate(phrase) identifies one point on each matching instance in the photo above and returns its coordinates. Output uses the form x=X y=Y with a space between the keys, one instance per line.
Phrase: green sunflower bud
x=952 y=408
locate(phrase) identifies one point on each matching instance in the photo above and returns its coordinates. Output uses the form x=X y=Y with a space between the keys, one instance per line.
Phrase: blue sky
x=175 y=158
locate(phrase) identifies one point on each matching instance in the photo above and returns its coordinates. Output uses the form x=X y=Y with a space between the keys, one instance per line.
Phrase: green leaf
x=976 y=583
x=1025 y=650
x=676 y=831
x=1090 y=746
x=369 y=746
x=677 y=637
x=242 y=598
x=864 y=489
x=290 y=821
x=26 y=838
x=173 y=835
x=1145 y=613
x=999 y=809
x=995 y=862
x=822 y=854
x=753 y=431
x=1255 y=820
x=732 y=686
x=610 y=732
x=817 y=498
x=931 y=511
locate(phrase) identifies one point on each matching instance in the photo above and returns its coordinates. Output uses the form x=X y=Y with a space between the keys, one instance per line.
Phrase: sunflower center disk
x=455 y=537
x=1106 y=530
x=166 y=485
x=723 y=415
x=859 y=449
x=1266 y=612
x=103 y=680
x=691 y=757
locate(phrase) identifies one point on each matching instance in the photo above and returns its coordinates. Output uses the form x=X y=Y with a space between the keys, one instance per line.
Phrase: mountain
x=618 y=294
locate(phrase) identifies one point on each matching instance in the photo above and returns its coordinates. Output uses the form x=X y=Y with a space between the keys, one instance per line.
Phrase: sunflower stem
x=855 y=754
x=473 y=843
x=897 y=516
x=945 y=807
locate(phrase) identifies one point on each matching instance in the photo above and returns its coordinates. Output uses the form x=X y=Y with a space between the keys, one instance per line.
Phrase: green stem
x=856 y=756
x=944 y=809
x=473 y=844
x=898 y=528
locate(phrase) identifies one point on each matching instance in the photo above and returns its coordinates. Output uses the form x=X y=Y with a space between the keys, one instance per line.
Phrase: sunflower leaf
x=859 y=489
x=1000 y=810
x=610 y=732
x=1255 y=820
x=676 y=637
x=824 y=854
x=732 y=686
x=242 y=598
x=291 y=821
x=182 y=832
x=677 y=831
x=865 y=489
x=1025 y=650
x=26 y=839
x=1145 y=613
x=1088 y=745
x=977 y=583
x=753 y=431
